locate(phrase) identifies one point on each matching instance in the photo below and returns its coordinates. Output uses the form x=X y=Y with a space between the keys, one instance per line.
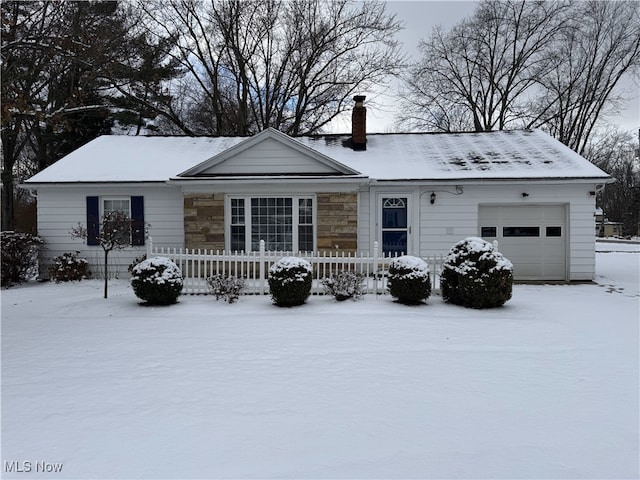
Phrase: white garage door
x=533 y=237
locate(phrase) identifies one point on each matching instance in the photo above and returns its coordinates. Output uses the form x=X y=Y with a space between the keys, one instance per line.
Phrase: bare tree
x=523 y=64
x=288 y=65
x=478 y=75
x=598 y=44
x=617 y=153
x=113 y=232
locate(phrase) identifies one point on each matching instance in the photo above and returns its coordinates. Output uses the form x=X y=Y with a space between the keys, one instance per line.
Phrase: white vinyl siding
x=269 y=157
x=453 y=216
x=60 y=209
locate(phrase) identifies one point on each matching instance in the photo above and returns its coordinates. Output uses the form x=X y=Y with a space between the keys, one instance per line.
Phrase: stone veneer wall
x=337 y=222
x=204 y=220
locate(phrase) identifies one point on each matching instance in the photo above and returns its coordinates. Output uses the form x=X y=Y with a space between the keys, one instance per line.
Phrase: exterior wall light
x=433 y=198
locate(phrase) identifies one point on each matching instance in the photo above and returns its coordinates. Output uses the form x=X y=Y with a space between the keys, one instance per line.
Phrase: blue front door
x=395 y=227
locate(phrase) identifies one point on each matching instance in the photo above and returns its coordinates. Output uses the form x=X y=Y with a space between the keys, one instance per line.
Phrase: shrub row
x=474 y=274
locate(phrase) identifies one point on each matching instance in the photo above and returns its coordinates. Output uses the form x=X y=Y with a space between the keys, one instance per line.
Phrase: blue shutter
x=93 y=221
x=137 y=220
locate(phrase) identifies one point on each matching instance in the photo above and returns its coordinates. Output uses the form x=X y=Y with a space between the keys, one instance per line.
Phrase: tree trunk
x=106 y=272
x=7 y=201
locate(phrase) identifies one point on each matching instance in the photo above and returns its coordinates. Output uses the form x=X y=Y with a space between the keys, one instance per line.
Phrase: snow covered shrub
x=290 y=281
x=476 y=275
x=344 y=285
x=135 y=262
x=19 y=256
x=228 y=288
x=409 y=280
x=68 y=267
x=157 y=281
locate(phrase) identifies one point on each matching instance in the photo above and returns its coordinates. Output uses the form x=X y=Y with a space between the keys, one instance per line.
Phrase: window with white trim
x=98 y=207
x=116 y=204
x=284 y=223
x=110 y=205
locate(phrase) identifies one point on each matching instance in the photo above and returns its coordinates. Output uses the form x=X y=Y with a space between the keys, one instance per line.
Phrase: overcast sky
x=419 y=17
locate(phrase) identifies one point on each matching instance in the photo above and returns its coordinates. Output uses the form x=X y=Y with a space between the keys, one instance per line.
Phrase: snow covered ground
x=545 y=387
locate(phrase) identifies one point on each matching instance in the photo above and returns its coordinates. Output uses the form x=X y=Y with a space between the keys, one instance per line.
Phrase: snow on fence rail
x=199 y=264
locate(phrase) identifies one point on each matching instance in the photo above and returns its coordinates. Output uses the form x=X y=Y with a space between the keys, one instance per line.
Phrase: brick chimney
x=359 y=124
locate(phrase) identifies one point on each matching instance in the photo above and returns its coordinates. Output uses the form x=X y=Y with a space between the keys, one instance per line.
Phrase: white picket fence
x=199 y=264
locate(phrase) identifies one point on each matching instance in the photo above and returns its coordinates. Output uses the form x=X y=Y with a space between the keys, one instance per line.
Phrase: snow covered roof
x=508 y=154
x=516 y=154
x=120 y=158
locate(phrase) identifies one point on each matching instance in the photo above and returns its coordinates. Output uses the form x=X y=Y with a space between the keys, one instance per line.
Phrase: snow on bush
x=476 y=275
x=157 y=281
x=409 y=280
x=344 y=285
x=19 y=257
x=228 y=288
x=290 y=281
x=68 y=267
x=135 y=262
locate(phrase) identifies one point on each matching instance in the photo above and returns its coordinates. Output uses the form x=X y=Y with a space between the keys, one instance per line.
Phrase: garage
x=533 y=237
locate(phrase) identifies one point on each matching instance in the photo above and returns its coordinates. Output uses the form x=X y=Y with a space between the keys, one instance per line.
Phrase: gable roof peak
x=210 y=165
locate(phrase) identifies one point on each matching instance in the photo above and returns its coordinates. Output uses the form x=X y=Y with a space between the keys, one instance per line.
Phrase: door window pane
x=554 y=231
x=394 y=213
x=394 y=242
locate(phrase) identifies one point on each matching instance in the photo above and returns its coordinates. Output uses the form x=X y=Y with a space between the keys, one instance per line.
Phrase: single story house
x=417 y=193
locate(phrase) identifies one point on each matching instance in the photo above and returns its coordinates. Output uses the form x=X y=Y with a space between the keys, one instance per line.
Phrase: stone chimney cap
x=359 y=98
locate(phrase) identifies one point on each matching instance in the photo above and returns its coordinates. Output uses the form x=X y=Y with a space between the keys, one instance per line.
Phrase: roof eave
x=270 y=179
x=497 y=181
x=34 y=185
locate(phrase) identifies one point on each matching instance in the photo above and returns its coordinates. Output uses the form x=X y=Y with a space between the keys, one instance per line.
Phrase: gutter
x=496 y=181
x=111 y=183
